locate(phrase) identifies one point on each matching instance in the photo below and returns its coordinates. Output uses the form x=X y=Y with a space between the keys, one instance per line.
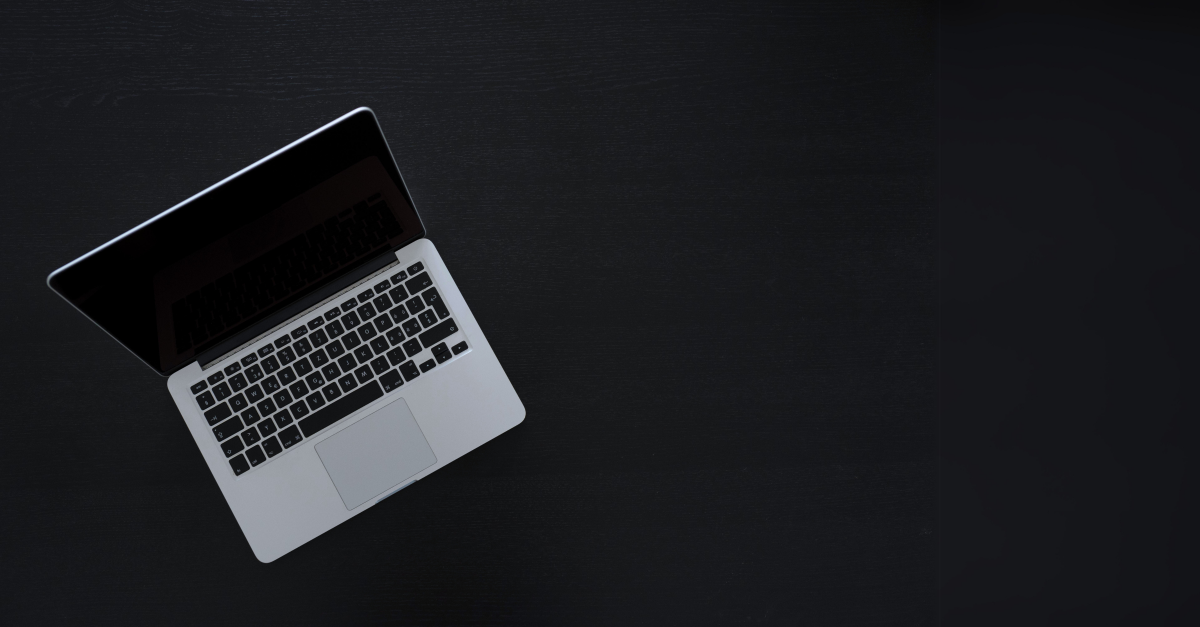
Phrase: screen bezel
x=354 y=136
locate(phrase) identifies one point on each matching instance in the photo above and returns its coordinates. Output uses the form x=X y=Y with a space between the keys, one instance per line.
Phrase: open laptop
x=316 y=346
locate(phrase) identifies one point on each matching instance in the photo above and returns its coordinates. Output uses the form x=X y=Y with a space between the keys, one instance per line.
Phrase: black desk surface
x=699 y=236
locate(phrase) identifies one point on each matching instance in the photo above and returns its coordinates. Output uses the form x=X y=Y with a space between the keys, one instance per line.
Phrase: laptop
x=315 y=344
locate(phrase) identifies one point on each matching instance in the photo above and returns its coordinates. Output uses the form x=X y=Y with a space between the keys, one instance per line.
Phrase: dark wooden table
x=699 y=236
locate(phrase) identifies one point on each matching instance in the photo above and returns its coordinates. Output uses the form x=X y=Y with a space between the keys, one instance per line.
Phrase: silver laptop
x=316 y=345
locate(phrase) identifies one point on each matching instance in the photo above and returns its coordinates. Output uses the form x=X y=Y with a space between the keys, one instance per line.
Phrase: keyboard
x=306 y=376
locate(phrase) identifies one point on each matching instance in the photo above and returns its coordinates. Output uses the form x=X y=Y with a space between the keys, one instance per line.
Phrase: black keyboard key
x=290 y=436
x=331 y=391
x=363 y=353
x=303 y=367
x=351 y=340
x=366 y=332
x=287 y=356
x=348 y=383
x=383 y=323
x=412 y=327
x=379 y=365
x=218 y=413
x=382 y=287
x=270 y=385
x=249 y=359
x=412 y=347
x=222 y=390
x=315 y=322
x=347 y=363
x=237 y=402
x=458 y=348
x=396 y=355
x=363 y=374
x=254 y=394
x=398 y=314
x=318 y=337
x=335 y=328
x=350 y=320
x=284 y=417
x=428 y=365
x=335 y=349
x=199 y=387
x=395 y=336
x=266 y=407
x=271 y=447
x=443 y=357
x=415 y=268
x=266 y=427
x=266 y=350
x=415 y=305
x=232 y=368
x=439 y=333
x=302 y=346
x=331 y=372
x=228 y=429
x=379 y=345
x=297 y=411
x=366 y=312
x=332 y=313
x=409 y=370
x=427 y=318
x=298 y=389
x=212 y=380
x=391 y=380
x=286 y=376
x=270 y=364
x=283 y=341
x=319 y=358
x=418 y=283
x=433 y=299
x=398 y=294
x=283 y=398
x=254 y=372
x=349 y=306
x=238 y=382
x=239 y=465
x=315 y=401
x=206 y=400
x=381 y=303
x=299 y=332
x=255 y=455
x=347 y=405
x=399 y=277
x=250 y=436
x=440 y=348
x=314 y=380
x=365 y=296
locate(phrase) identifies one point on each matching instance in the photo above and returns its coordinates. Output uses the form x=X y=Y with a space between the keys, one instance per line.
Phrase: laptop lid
x=250 y=252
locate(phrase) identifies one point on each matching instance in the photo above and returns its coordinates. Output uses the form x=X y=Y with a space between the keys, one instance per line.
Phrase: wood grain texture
x=699 y=236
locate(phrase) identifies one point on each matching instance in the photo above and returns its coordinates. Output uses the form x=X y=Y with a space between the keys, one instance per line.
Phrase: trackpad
x=376 y=453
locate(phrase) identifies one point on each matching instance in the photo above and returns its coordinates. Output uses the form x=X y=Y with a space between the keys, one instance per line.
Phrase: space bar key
x=341 y=408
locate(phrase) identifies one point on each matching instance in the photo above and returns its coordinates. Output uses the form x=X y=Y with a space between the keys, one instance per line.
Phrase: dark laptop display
x=239 y=258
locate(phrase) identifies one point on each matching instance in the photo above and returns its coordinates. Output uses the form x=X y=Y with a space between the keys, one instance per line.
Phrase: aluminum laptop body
x=316 y=346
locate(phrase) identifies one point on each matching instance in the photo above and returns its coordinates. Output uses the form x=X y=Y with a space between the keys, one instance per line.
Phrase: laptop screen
x=243 y=255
